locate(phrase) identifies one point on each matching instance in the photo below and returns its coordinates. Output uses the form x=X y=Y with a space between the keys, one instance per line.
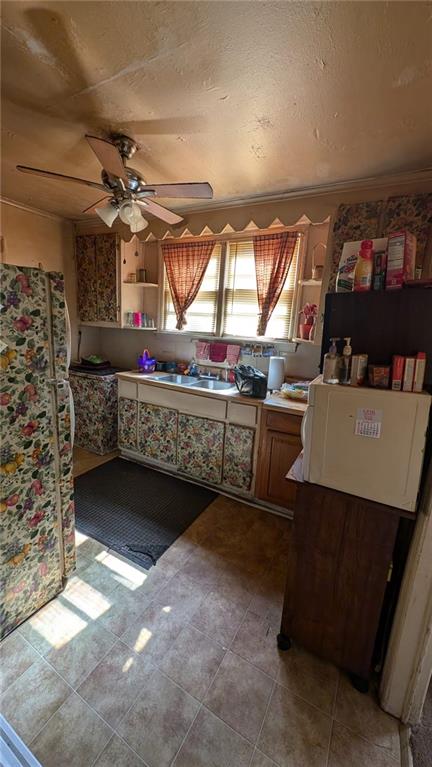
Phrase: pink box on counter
x=401 y=255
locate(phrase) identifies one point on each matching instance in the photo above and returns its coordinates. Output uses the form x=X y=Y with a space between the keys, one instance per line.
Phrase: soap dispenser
x=345 y=367
x=331 y=364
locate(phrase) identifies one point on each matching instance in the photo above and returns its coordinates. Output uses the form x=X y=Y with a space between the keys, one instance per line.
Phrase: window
x=202 y=315
x=241 y=303
x=227 y=304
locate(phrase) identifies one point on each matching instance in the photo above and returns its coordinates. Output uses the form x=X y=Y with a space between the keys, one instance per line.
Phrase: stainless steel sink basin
x=175 y=378
x=214 y=385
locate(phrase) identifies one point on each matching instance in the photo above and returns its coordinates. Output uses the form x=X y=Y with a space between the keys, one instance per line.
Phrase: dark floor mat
x=135 y=510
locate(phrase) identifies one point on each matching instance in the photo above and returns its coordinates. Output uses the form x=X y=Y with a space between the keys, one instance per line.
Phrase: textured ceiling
x=255 y=97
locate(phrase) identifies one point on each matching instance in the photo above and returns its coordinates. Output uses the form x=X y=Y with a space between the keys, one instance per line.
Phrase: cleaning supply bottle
x=345 y=367
x=331 y=364
x=364 y=267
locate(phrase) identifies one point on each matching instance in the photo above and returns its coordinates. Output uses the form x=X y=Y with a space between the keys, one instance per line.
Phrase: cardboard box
x=408 y=374
x=419 y=372
x=401 y=255
x=398 y=365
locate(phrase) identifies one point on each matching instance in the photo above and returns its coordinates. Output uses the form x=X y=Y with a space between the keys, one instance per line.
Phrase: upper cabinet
x=116 y=286
x=97 y=259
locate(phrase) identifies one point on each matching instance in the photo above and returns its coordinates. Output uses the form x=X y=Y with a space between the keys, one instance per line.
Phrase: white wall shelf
x=142 y=284
x=304 y=341
x=311 y=283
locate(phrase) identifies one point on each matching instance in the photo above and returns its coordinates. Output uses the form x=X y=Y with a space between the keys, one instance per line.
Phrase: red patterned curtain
x=186 y=264
x=273 y=255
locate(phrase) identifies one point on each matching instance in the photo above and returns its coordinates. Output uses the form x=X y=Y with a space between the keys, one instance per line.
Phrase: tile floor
x=179 y=666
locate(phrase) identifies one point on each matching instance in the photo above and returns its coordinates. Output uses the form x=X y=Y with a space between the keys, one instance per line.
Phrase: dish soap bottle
x=345 y=367
x=331 y=364
x=364 y=267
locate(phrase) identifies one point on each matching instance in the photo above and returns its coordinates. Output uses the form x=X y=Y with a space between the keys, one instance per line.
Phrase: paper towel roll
x=276 y=373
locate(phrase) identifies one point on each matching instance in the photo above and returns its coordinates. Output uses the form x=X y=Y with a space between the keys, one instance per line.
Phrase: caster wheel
x=283 y=642
x=359 y=683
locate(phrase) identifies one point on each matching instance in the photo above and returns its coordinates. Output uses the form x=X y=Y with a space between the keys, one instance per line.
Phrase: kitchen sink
x=214 y=385
x=175 y=378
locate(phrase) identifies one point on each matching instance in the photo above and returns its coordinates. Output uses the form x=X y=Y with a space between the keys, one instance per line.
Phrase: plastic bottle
x=331 y=364
x=345 y=366
x=364 y=267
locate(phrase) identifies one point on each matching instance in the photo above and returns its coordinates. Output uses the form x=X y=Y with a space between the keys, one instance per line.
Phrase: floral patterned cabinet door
x=85 y=250
x=97 y=265
x=107 y=247
x=95 y=399
x=157 y=433
x=238 y=456
x=200 y=448
x=127 y=423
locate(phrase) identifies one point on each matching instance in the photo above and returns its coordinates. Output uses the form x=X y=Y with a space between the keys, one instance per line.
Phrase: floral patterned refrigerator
x=37 y=543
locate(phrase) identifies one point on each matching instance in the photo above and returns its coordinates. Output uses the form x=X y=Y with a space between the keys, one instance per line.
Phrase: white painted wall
x=32 y=238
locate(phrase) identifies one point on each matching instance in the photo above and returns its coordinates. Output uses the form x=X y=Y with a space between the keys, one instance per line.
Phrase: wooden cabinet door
x=85 y=249
x=107 y=287
x=342 y=550
x=277 y=456
x=200 y=448
x=238 y=456
x=157 y=433
x=127 y=424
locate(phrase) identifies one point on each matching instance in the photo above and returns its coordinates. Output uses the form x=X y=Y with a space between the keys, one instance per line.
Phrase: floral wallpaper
x=95 y=400
x=127 y=423
x=238 y=456
x=354 y=221
x=412 y=212
x=378 y=218
x=200 y=447
x=31 y=549
x=157 y=433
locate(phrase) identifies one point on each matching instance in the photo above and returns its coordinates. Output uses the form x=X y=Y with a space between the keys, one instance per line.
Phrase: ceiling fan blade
x=91 y=208
x=108 y=156
x=159 y=211
x=59 y=176
x=199 y=190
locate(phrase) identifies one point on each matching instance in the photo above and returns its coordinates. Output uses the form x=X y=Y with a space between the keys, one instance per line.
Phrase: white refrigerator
x=366 y=442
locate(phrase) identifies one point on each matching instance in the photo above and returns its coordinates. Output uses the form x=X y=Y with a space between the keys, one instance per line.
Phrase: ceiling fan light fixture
x=130 y=213
x=108 y=214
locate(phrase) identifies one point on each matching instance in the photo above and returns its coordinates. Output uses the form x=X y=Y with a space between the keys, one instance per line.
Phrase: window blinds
x=240 y=295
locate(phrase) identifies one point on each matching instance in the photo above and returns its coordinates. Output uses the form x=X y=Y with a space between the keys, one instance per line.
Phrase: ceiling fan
x=129 y=196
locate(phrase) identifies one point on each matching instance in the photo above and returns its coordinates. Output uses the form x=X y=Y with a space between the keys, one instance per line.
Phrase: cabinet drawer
x=289 y=424
x=243 y=414
x=127 y=389
x=185 y=403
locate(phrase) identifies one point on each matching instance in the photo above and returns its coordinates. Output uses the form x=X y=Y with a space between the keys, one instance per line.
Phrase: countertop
x=272 y=402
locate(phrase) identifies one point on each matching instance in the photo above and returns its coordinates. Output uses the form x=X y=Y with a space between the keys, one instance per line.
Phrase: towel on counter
x=218 y=352
x=202 y=349
x=233 y=353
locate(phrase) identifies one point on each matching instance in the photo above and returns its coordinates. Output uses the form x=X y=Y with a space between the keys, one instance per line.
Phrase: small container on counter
x=146 y=363
x=379 y=376
x=141 y=275
x=398 y=365
x=358 y=369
